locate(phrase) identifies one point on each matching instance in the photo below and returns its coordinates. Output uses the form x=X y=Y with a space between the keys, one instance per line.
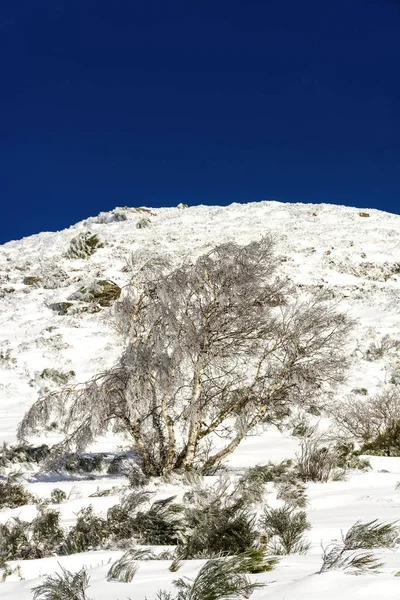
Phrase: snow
x=317 y=245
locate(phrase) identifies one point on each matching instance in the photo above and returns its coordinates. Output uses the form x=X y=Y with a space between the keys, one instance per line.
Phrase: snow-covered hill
x=53 y=332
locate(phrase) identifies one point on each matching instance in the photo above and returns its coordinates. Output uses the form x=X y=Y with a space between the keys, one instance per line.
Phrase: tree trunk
x=215 y=460
x=188 y=455
x=170 y=455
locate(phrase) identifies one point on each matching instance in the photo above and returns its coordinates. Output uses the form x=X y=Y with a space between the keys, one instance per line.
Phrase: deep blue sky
x=128 y=102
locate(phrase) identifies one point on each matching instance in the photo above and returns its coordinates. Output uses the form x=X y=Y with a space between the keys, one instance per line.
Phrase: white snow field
x=355 y=253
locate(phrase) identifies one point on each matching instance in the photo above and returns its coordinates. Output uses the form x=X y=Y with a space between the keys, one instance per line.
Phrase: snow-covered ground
x=356 y=256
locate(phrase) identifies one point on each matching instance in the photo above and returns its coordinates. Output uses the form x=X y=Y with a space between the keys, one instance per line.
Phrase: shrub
x=64 y=586
x=124 y=464
x=395 y=376
x=83 y=245
x=160 y=525
x=143 y=209
x=322 y=460
x=219 y=521
x=284 y=528
x=121 y=518
x=13 y=494
x=358 y=562
x=220 y=531
x=349 y=458
x=317 y=461
x=125 y=568
x=143 y=223
x=386 y=346
x=371 y=535
x=23 y=453
x=84 y=463
x=103 y=292
x=360 y=391
x=361 y=535
x=46 y=533
x=283 y=475
x=374 y=421
x=8 y=571
x=267 y=473
x=57 y=496
x=386 y=443
x=119 y=465
x=14 y=541
x=61 y=308
x=38 y=539
x=292 y=494
x=257 y=560
x=89 y=532
x=58 y=377
x=136 y=477
x=31 y=280
x=216 y=580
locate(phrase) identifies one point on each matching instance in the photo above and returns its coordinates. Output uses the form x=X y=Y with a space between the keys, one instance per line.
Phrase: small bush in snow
x=101 y=292
x=83 y=245
x=38 y=539
x=386 y=443
x=322 y=460
x=8 y=571
x=125 y=568
x=23 y=453
x=7 y=361
x=360 y=391
x=285 y=477
x=285 y=528
x=89 y=532
x=270 y=472
x=121 y=518
x=14 y=494
x=124 y=464
x=31 y=280
x=143 y=223
x=317 y=461
x=56 y=376
x=114 y=216
x=292 y=493
x=375 y=422
x=219 y=521
x=136 y=477
x=386 y=346
x=83 y=463
x=14 y=541
x=357 y=562
x=46 y=533
x=360 y=536
x=161 y=524
x=395 y=376
x=217 y=579
x=64 y=586
x=119 y=465
x=57 y=496
x=371 y=535
x=257 y=559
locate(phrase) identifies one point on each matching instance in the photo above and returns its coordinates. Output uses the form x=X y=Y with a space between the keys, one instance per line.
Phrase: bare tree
x=215 y=348
x=374 y=421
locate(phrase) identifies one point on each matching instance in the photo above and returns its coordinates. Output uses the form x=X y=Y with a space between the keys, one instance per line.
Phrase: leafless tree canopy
x=369 y=418
x=215 y=348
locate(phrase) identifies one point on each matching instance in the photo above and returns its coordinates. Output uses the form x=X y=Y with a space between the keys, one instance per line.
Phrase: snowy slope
x=354 y=253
